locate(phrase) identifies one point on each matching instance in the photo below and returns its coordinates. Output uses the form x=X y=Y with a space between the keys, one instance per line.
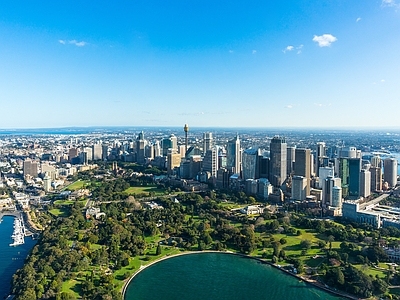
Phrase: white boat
x=19 y=233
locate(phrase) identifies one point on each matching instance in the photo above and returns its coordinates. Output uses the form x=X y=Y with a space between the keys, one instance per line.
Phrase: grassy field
x=135 y=190
x=77 y=185
x=370 y=270
x=59 y=212
x=68 y=202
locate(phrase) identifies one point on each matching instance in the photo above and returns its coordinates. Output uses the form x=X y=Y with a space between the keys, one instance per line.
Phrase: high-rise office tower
x=207 y=141
x=30 y=167
x=299 y=188
x=97 y=151
x=302 y=166
x=170 y=143
x=173 y=161
x=157 y=149
x=336 y=199
x=376 y=161
x=104 y=152
x=72 y=153
x=140 y=148
x=186 y=130
x=390 y=171
x=263 y=166
x=327 y=190
x=376 y=178
x=210 y=161
x=365 y=183
x=249 y=164
x=233 y=155
x=89 y=153
x=354 y=176
x=149 y=151
x=320 y=159
x=278 y=160
x=324 y=172
x=348 y=152
x=291 y=158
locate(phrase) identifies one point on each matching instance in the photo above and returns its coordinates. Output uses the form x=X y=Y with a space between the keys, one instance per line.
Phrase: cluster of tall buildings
x=281 y=170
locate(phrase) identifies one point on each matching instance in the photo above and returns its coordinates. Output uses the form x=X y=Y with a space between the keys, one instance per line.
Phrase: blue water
x=218 y=276
x=11 y=258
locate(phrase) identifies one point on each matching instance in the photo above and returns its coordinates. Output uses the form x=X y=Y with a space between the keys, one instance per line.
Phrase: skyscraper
x=365 y=183
x=321 y=158
x=291 y=158
x=390 y=171
x=233 y=155
x=278 y=161
x=376 y=178
x=140 y=148
x=354 y=176
x=30 y=168
x=302 y=166
x=249 y=164
x=186 y=130
x=207 y=141
x=210 y=161
x=299 y=188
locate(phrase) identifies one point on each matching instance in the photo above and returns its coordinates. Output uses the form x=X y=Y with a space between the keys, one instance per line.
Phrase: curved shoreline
x=306 y=280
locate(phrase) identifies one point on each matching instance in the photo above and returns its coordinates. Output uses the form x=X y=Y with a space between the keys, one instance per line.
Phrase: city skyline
x=260 y=65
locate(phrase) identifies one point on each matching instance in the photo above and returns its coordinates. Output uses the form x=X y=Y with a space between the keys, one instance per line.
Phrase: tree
x=330 y=240
x=158 y=250
x=305 y=244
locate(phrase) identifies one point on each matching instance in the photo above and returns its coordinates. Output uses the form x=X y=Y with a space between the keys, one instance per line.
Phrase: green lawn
x=144 y=190
x=68 y=202
x=77 y=185
x=370 y=270
x=59 y=212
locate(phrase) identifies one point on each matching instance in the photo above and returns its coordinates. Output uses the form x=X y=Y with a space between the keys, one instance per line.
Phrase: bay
x=11 y=258
x=218 y=276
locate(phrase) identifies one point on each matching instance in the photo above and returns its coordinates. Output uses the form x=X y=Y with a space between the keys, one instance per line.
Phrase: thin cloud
x=288 y=48
x=358 y=19
x=389 y=3
x=299 y=49
x=230 y=51
x=324 y=40
x=254 y=51
x=291 y=48
x=289 y=106
x=73 y=42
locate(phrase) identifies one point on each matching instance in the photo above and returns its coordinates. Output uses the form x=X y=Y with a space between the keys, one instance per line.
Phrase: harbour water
x=11 y=257
x=218 y=276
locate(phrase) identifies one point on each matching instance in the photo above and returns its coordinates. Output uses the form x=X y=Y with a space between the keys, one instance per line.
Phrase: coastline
x=304 y=279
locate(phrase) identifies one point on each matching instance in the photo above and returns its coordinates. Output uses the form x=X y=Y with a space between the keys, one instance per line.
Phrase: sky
x=325 y=63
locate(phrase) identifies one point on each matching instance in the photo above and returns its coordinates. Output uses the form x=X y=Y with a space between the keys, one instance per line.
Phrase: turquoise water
x=218 y=276
x=11 y=258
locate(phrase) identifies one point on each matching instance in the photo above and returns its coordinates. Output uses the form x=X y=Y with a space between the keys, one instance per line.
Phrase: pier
x=30 y=230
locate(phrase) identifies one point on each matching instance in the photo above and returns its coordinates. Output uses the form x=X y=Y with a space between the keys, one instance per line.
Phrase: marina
x=18 y=235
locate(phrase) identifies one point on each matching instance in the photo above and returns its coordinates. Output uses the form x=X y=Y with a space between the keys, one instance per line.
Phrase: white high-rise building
x=390 y=171
x=376 y=162
x=299 y=188
x=336 y=200
x=365 y=183
x=324 y=173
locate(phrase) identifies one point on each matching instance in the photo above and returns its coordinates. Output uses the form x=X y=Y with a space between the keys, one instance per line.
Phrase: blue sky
x=208 y=63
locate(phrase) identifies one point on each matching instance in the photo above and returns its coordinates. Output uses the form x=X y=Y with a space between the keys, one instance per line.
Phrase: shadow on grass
x=293 y=248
